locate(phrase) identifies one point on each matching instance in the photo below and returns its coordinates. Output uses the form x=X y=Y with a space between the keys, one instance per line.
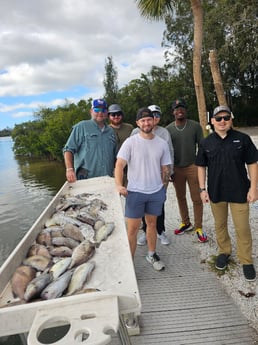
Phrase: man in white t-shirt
x=148 y=160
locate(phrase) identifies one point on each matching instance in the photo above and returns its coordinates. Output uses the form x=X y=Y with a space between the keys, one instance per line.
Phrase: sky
x=54 y=51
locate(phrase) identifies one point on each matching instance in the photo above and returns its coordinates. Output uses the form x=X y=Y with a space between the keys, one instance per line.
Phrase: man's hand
x=122 y=190
x=70 y=175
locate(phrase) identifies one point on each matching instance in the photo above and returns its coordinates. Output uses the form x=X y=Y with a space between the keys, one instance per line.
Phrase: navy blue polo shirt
x=226 y=160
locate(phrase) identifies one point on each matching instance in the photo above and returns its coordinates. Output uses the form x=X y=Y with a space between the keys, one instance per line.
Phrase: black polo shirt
x=226 y=160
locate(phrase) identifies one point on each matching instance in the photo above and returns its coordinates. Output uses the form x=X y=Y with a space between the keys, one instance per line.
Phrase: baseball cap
x=154 y=108
x=179 y=102
x=221 y=108
x=99 y=103
x=114 y=108
x=143 y=112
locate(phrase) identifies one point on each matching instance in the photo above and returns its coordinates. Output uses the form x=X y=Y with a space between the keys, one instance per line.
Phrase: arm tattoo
x=165 y=174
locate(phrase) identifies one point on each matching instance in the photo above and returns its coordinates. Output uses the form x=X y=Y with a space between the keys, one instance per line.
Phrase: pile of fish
x=58 y=262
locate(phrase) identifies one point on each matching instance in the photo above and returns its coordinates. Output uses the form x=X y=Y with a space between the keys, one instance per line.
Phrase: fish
x=72 y=213
x=80 y=276
x=56 y=288
x=82 y=253
x=60 y=267
x=95 y=207
x=72 y=231
x=53 y=228
x=71 y=203
x=35 y=287
x=39 y=262
x=65 y=241
x=57 y=232
x=59 y=218
x=87 y=232
x=44 y=238
x=99 y=223
x=103 y=232
x=38 y=249
x=22 y=276
x=61 y=251
x=86 y=218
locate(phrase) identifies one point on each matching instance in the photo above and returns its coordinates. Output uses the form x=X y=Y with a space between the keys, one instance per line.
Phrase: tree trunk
x=216 y=76
x=196 y=7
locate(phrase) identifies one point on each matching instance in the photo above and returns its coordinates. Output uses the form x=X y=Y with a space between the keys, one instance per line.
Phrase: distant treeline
x=6 y=132
x=46 y=135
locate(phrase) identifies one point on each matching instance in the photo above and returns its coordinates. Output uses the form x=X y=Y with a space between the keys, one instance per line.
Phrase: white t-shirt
x=144 y=158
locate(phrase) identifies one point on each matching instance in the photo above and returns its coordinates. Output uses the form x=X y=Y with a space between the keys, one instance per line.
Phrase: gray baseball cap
x=221 y=108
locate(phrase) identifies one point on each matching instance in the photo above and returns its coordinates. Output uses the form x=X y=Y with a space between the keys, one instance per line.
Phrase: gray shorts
x=138 y=204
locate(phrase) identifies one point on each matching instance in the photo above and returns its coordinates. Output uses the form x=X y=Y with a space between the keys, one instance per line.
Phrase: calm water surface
x=26 y=188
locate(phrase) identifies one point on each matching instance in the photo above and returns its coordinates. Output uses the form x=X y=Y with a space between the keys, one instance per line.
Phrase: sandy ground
x=244 y=294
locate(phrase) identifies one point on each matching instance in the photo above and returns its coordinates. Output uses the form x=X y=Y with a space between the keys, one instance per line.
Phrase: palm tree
x=159 y=9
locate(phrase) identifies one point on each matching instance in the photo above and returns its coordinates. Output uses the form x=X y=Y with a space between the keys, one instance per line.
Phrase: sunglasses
x=99 y=110
x=115 y=114
x=225 y=118
x=156 y=115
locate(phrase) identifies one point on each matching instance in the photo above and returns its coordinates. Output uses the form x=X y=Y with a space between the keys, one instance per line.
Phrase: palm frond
x=155 y=9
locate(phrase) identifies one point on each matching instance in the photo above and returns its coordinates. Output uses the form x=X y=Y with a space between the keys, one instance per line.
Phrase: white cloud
x=49 y=46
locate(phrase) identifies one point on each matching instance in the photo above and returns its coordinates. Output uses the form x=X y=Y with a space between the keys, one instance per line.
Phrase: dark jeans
x=160 y=222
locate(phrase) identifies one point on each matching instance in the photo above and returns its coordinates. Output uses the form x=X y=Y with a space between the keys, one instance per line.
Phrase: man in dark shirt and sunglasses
x=225 y=154
x=116 y=121
x=122 y=129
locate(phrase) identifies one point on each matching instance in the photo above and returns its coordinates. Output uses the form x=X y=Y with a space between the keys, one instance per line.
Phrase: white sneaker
x=142 y=239
x=155 y=261
x=163 y=238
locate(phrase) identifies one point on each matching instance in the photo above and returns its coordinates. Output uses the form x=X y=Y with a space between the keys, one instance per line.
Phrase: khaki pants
x=181 y=177
x=240 y=216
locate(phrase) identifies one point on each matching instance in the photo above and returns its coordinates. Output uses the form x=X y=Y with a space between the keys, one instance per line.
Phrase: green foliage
x=230 y=28
x=6 y=132
x=46 y=136
x=156 y=9
x=110 y=81
x=27 y=141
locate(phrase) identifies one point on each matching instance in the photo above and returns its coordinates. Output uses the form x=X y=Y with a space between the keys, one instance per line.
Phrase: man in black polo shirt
x=226 y=153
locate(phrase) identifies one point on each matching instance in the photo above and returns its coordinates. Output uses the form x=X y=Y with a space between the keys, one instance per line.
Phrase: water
x=26 y=189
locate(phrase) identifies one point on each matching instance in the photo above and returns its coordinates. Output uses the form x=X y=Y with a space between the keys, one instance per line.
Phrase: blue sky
x=54 y=51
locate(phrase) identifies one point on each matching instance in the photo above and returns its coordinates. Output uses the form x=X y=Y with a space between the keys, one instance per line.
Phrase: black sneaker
x=222 y=261
x=249 y=272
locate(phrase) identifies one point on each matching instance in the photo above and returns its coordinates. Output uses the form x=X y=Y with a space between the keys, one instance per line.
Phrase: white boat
x=88 y=313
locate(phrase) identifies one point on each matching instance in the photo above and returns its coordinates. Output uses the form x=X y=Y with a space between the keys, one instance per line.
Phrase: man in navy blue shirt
x=225 y=154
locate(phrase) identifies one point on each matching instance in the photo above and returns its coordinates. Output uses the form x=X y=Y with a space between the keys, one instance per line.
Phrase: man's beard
x=147 y=130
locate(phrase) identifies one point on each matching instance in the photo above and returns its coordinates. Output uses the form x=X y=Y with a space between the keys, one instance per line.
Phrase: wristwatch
x=202 y=190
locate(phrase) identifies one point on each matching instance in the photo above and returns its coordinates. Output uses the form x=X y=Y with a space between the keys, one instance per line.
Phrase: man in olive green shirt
x=186 y=135
x=121 y=129
x=116 y=121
